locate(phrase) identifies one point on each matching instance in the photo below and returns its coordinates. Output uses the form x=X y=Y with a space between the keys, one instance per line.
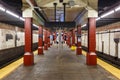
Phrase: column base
x=69 y=45
x=45 y=47
x=28 y=59
x=48 y=44
x=79 y=51
x=40 y=50
x=91 y=58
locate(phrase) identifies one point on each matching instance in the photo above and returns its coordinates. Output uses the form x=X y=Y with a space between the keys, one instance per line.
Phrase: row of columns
x=91 y=55
x=29 y=56
x=91 y=58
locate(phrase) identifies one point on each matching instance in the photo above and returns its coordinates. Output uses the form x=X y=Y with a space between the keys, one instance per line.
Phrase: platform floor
x=60 y=64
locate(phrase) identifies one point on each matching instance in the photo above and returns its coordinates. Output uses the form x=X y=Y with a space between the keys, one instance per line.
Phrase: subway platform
x=59 y=63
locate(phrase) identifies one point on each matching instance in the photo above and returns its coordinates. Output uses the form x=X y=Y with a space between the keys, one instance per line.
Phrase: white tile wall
x=112 y=44
x=6 y=44
x=100 y=42
x=97 y=42
x=105 y=37
x=35 y=38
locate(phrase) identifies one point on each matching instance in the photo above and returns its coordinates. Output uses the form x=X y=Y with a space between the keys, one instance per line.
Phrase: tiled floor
x=60 y=64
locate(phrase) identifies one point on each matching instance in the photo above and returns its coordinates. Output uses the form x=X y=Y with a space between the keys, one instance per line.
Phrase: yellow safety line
x=113 y=70
x=11 y=67
x=8 y=69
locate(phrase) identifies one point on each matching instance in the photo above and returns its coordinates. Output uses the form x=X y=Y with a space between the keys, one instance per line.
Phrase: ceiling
x=47 y=9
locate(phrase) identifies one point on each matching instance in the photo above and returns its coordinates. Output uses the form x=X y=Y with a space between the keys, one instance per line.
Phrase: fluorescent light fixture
x=2 y=9
x=38 y=8
x=35 y=25
x=108 y=13
x=117 y=9
x=98 y=18
x=22 y=19
x=13 y=14
x=83 y=25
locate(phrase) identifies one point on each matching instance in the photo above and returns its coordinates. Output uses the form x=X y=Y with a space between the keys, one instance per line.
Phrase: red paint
x=66 y=38
x=73 y=37
x=91 y=58
x=69 y=39
x=28 y=59
x=79 y=49
x=28 y=56
x=48 y=39
x=45 y=40
x=54 y=37
x=40 y=41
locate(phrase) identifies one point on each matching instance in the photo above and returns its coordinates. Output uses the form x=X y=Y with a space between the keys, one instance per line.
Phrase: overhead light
x=108 y=13
x=13 y=14
x=76 y=5
x=38 y=8
x=84 y=25
x=98 y=18
x=2 y=9
x=117 y=9
x=22 y=19
x=35 y=25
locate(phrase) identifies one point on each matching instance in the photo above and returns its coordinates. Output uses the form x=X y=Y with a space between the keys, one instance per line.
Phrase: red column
x=64 y=37
x=69 y=39
x=28 y=56
x=48 y=38
x=54 y=36
x=45 y=40
x=78 y=50
x=91 y=55
x=40 y=39
x=73 y=37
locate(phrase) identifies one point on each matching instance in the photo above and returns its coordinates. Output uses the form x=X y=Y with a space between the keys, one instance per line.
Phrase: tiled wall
x=105 y=39
x=12 y=36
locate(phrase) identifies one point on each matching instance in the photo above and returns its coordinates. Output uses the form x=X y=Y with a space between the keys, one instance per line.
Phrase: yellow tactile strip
x=11 y=67
x=113 y=70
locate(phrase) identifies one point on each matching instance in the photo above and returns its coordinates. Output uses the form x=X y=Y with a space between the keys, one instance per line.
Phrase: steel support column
x=28 y=56
x=79 y=49
x=54 y=37
x=45 y=40
x=48 y=38
x=40 y=39
x=91 y=58
x=69 y=39
x=64 y=5
x=73 y=37
x=55 y=6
